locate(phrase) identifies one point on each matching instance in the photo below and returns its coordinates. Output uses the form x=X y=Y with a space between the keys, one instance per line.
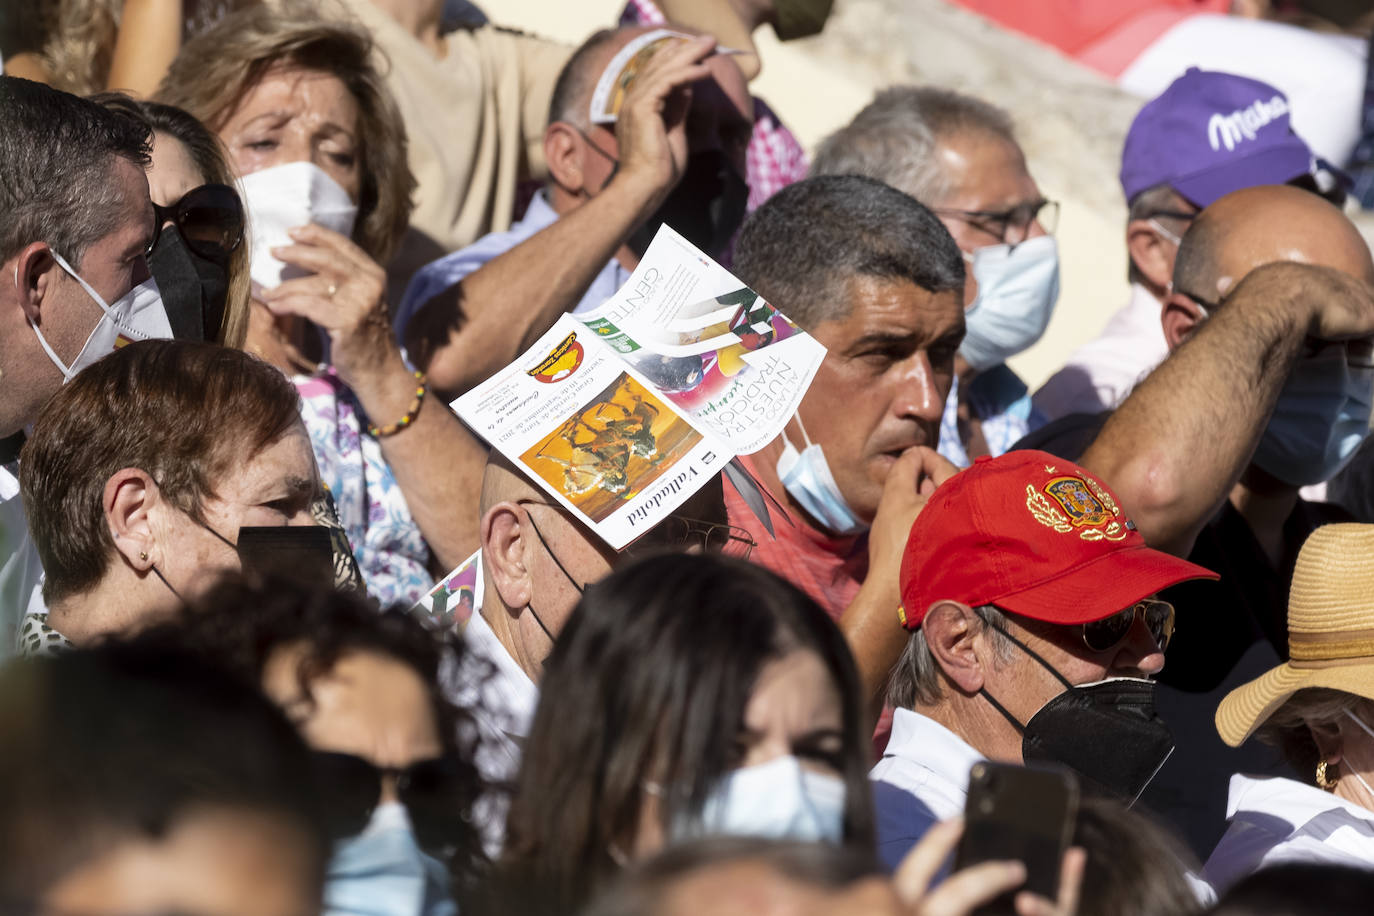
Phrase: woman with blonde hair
x=320 y=150
x=1318 y=707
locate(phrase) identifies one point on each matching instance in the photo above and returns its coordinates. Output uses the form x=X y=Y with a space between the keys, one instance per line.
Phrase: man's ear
x=33 y=275
x=953 y=632
x=505 y=537
x=563 y=152
x=1180 y=317
x=130 y=495
x=1152 y=254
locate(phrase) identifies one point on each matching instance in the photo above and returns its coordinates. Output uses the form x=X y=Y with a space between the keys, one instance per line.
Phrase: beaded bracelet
x=410 y=415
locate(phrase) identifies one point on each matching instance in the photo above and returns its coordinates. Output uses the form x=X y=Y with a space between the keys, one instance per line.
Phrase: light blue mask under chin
x=383 y=872
x=806 y=477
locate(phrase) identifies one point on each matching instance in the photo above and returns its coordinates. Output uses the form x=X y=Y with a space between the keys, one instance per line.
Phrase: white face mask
x=136 y=315
x=382 y=872
x=806 y=477
x=288 y=197
x=1017 y=289
x=776 y=799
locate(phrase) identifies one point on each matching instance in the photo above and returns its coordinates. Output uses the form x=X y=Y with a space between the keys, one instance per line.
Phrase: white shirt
x=922 y=779
x=1101 y=373
x=21 y=573
x=1280 y=820
x=501 y=698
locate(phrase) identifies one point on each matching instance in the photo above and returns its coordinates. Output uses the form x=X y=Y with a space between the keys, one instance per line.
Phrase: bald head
x=1257 y=226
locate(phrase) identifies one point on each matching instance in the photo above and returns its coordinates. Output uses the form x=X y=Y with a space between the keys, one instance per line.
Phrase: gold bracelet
x=410 y=415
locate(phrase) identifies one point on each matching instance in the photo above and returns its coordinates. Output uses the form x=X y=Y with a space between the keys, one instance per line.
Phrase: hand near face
x=910 y=482
x=651 y=128
x=343 y=295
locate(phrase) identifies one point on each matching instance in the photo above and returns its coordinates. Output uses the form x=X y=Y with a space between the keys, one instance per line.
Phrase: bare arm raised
x=468 y=332
x=1179 y=443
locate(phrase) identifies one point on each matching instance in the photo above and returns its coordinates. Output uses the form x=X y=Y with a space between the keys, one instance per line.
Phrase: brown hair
x=215 y=70
x=213 y=163
x=186 y=413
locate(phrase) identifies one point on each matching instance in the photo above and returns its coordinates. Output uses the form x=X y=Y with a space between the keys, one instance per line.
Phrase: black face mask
x=706 y=206
x=301 y=551
x=194 y=288
x=1107 y=732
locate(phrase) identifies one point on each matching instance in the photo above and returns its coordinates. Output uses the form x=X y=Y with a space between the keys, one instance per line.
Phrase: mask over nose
x=1319 y=420
x=136 y=315
x=706 y=206
x=806 y=477
x=1017 y=289
x=777 y=799
x=194 y=288
x=288 y=197
x=1106 y=731
x=383 y=872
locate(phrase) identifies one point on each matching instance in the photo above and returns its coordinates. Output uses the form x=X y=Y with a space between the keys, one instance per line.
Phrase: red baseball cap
x=1035 y=535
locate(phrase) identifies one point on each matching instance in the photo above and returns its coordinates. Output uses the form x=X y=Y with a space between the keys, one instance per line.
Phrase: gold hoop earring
x=1324 y=781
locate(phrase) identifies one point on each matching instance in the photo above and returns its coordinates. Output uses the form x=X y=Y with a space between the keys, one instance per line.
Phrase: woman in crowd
x=320 y=147
x=199 y=260
x=392 y=756
x=152 y=471
x=1319 y=709
x=686 y=696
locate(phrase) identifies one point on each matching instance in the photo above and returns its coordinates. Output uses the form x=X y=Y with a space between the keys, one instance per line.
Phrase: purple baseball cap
x=1212 y=133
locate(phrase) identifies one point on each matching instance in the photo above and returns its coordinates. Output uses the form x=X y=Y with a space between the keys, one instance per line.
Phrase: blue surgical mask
x=383 y=872
x=777 y=799
x=806 y=477
x=1319 y=420
x=1017 y=289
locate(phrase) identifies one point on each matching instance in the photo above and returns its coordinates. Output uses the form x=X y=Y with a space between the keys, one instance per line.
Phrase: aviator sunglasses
x=433 y=791
x=209 y=218
x=1110 y=632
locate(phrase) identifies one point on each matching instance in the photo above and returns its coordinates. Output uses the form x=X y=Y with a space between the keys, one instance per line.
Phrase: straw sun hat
x=1330 y=631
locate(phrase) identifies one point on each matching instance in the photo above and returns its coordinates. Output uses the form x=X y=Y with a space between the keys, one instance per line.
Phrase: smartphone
x=1024 y=814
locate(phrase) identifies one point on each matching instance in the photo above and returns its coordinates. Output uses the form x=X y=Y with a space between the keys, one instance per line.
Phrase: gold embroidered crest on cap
x=1076 y=502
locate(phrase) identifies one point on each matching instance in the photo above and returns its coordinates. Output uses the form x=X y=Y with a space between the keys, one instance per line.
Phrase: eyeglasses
x=680 y=533
x=209 y=218
x=434 y=792
x=1110 y=632
x=999 y=224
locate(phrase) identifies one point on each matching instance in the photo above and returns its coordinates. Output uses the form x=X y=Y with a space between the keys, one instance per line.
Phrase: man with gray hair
x=958 y=155
x=75 y=224
x=674 y=154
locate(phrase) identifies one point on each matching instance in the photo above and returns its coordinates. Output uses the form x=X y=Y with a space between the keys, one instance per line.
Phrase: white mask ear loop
x=67 y=373
x=1159 y=227
x=801 y=426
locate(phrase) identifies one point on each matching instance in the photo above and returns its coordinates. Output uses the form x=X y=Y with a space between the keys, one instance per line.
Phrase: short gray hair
x=915 y=680
x=893 y=139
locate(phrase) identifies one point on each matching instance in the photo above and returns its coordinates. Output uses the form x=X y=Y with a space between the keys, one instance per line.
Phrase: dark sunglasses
x=1110 y=632
x=434 y=792
x=209 y=218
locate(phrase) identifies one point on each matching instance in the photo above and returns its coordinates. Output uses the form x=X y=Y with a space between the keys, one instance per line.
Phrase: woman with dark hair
x=198 y=258
x=393 y=758
x=687 y=696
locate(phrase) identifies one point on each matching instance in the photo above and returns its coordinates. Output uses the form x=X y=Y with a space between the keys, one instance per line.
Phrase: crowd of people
x=251 y=251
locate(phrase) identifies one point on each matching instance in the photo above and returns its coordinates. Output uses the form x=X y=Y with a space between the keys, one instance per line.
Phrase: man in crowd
x=957 y=155
x=1207 y=135
x=75 y=222
x=1024 y=579
x=141 y=783
x=1299 y=357
x=877 y=279
x=675 y=154
x=536 y=559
